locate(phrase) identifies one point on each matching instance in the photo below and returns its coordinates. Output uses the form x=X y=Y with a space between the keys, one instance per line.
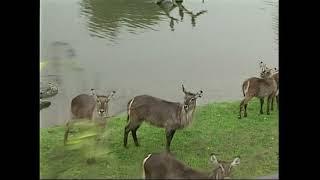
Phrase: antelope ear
x=261 y=64
x=236 y=162
x=93 y=93
x=214 y=159
x=199 y=94
x=111 y=94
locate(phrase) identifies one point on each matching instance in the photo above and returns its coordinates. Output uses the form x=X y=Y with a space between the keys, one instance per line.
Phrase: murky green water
x=137 y=47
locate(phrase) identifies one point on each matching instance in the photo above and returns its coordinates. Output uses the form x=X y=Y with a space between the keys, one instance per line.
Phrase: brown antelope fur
x=166 y=166
x=275 y=76
x=266 y=86
x=160 y=113
x=91 y=107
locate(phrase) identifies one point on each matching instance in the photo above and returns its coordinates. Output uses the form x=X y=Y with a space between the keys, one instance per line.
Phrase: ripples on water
x=106 y=19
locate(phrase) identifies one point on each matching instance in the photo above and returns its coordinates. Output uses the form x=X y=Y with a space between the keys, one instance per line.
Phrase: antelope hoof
x=137 y=145
x=245 y=115
x=268 y=113
x=91 y=160
x=72 y=131
x=239 y=117
x=261 y=112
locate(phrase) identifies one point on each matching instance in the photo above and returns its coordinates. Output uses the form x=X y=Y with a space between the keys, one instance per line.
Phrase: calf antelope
x=91 y=107
x=166 y=166
x=262 y=87
x=160 y=113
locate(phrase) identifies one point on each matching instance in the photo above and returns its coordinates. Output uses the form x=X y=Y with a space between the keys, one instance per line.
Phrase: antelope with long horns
x=160 y=113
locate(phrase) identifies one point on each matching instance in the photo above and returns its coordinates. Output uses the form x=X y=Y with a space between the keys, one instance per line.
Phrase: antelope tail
x=129 y=108
x=245 y=87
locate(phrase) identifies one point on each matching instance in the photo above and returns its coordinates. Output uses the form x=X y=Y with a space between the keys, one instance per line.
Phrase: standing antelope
x=266 y=86
x=166 y=166
x=275 y=76
x=160 y=113
x=91 y=107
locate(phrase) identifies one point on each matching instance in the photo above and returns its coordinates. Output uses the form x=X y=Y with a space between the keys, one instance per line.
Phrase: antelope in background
x=166 y=166
x=266 y=86
x=160 y=113
x=91 y=107
x=275 y=76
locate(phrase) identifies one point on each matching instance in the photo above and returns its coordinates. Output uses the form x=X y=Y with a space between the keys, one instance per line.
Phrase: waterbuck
x=266 y=86
x=91 y=107
x=160 y=113
x=275 y=76
x=166 y=166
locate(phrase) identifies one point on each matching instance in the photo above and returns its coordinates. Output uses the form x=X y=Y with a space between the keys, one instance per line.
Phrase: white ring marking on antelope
x=130 y=107
x=247 y=88
x=144 y=161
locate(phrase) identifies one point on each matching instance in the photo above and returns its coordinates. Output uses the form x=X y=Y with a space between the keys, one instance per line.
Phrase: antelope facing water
x=91 y=107
x=166 y=166
x=266 y=86
x=160 y=113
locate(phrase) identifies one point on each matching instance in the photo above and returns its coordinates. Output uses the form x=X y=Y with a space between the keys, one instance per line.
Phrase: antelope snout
x=101 y=111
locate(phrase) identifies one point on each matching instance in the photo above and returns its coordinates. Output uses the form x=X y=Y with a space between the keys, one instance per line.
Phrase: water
x=138 y=47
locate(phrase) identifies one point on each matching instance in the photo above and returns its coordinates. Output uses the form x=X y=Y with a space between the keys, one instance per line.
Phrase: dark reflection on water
x=192 y=15
x=61 y=54
x=106 y=18
x=167 y=6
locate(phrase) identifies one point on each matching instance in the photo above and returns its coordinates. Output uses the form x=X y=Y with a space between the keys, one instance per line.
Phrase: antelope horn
x=111 y=94
x=183 y=89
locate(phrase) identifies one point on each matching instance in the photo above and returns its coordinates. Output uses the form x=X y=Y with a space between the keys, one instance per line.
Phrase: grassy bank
x=214 y=129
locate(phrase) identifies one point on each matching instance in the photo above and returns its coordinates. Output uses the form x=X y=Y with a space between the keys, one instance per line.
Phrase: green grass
x=215 y=128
